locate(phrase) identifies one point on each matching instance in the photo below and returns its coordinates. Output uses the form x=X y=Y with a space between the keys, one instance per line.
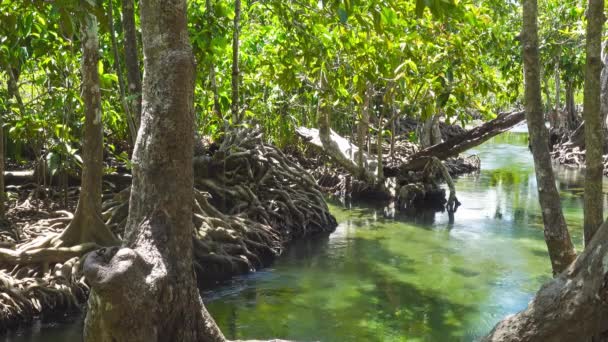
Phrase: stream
x=382 y=277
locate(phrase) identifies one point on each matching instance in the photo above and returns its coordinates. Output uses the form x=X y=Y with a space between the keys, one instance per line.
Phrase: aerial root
x=39 y=274
x=250 y=199
x=24 y=297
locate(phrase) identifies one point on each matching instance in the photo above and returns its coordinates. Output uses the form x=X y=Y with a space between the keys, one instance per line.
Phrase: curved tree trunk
x=146 y=290
x=87 y=225
x=594 y=132
x=132 y=59
x=561 y=250
x=235 y=63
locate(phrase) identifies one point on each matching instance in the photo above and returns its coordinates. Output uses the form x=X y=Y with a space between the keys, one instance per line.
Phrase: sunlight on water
x=401 y=279
x=404 y=279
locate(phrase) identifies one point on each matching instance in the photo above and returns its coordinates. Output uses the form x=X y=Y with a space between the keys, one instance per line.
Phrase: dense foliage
x=458 y=59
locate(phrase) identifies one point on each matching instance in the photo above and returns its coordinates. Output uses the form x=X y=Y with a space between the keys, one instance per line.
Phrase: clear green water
x=420 y=279
x=382 y=278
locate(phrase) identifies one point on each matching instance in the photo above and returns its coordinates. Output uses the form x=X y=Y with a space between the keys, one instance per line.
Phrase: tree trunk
x=87 y=225
x=363 y=129
x=604 y=87
x=551 y=113
x=393 y=128
x=132 y=59
x=435 y=131
x=571 y=307
x=379 y=153
x=429 y=133
x=235 y=63
x=217 y=109
x=13 y=87
x=558 y=88
x=121 y=81
x=561 y=250
x=570 y=121
x=146 y=290
x=424 y=132
x=2 y=195
x=594 y=132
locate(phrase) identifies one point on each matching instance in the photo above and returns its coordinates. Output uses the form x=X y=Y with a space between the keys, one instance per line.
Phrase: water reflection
x=421 y=278
x=417 y=278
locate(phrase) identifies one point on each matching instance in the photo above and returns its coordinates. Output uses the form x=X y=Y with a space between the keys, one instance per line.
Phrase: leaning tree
x=557 y=237
x=146 y=289
x=574 y=305
x=594 y=129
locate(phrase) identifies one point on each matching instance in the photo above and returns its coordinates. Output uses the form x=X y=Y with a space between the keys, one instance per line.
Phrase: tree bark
x=2 y=195
x=558 y=88
x=338 y=148
x=146 y=290
x=594 y=132
x=454 y=146
x=430 y=134
x=571 y=307
x=394 y=113
x=557 y=237
x=132 y=59
x=424 y=132
x=570 y=121
x=235 y=63
x=121 y=82
x=604 y=87
x=88 y=225
x=379 y=153
x=217 y=109
x=551 y=113
x=13 y=87
x=435 y=131
x=363 y=129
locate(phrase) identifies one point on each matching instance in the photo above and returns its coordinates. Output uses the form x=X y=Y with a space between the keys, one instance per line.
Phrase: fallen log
x=343 y=151
x=21 y=177
x=417 y=161
x=18 y=177
x=458 y=144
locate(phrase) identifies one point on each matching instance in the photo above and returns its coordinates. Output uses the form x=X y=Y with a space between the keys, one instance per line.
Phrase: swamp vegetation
x=304 y=170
